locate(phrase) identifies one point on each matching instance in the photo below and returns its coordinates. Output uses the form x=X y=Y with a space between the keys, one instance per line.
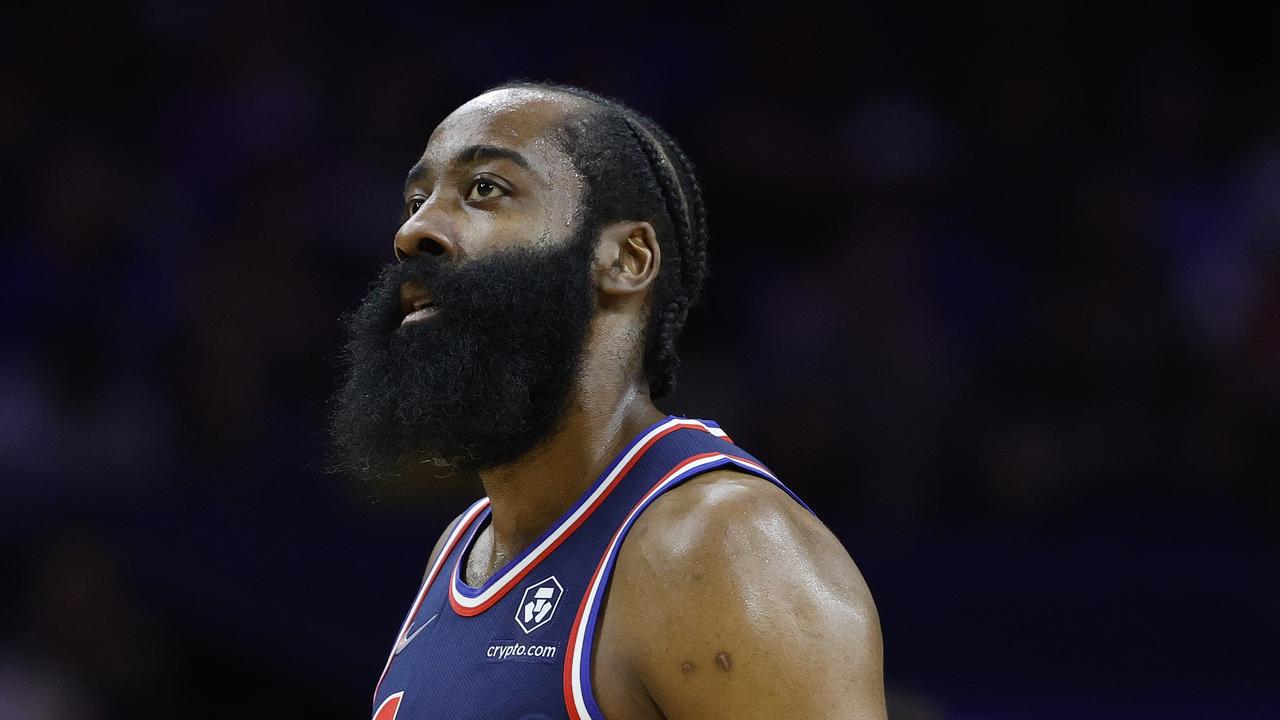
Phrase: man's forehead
x=517 y=118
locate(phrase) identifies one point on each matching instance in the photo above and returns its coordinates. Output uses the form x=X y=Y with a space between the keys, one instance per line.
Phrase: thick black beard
x=480 y=383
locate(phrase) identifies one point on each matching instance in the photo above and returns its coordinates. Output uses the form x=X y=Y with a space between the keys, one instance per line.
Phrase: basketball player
x=625 y=563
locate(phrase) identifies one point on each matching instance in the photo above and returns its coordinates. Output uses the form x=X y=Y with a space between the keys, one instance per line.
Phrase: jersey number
x=389 y=707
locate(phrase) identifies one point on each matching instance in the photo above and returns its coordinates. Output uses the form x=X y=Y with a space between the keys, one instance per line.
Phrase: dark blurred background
x=996 y=290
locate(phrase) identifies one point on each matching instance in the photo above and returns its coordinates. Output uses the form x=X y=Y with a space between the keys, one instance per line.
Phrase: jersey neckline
x=468 y=600
x=468 y=544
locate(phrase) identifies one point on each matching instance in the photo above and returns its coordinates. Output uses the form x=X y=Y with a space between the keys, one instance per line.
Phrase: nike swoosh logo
x=404 y=641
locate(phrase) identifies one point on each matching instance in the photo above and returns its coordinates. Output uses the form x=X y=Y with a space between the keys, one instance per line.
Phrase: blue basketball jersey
x=519 y=645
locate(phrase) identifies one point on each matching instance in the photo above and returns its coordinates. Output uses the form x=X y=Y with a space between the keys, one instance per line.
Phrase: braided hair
x=634 y=171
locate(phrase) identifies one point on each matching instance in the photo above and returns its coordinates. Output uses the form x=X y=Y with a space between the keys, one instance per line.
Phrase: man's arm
x=740 y=604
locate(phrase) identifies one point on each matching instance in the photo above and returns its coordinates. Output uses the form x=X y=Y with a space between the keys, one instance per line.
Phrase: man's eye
x=415 y=204
x=485 y=190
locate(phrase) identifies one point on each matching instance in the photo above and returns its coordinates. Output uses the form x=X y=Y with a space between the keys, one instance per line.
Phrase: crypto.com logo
x=539 y=604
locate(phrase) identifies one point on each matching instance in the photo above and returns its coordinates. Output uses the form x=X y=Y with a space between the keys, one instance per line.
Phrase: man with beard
x=624 y=563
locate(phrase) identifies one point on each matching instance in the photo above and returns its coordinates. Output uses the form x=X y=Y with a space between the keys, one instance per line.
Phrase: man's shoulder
x=733 y=522
x=702 y=513
x=727 y=587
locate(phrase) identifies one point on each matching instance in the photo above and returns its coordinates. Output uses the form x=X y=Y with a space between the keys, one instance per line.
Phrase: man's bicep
x=769 y=658
x=767 y=617
x=799 y=674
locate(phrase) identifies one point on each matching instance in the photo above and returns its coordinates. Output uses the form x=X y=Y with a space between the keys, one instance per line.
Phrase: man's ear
x=627 y=258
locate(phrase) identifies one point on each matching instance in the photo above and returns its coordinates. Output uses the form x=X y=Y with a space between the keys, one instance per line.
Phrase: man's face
x=491 y=179
x=464 y=353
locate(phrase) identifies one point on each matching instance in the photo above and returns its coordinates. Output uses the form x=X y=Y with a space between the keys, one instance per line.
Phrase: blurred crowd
x=997 y=292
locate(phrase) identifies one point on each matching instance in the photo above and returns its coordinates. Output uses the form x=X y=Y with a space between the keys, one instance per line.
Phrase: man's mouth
x=416 y=303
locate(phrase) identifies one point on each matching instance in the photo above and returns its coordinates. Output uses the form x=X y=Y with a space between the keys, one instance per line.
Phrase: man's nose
x=417 y=237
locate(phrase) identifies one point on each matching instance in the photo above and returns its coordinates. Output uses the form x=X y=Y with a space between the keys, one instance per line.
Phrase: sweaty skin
x=762 y=613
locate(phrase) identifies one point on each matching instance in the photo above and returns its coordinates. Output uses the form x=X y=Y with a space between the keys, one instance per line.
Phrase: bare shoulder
x=737 y=526
x=737 y=601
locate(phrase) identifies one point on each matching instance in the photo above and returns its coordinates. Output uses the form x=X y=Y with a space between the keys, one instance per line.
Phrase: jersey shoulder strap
x=683 y=455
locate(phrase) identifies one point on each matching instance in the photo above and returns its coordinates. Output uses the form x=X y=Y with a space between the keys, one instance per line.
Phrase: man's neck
x=530 y=494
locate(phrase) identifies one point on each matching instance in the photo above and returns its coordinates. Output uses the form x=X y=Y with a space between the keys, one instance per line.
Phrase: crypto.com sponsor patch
x=502 y=651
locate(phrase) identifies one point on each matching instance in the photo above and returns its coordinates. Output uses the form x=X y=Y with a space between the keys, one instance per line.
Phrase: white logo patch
x=539 y=604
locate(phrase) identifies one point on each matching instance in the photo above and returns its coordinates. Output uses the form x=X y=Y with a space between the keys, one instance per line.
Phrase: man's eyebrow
x=476 y=153
x=416 y=173
x=469 y=154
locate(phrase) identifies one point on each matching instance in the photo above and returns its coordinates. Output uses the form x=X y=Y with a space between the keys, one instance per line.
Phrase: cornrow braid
x=634 y=171
x=676 y=308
